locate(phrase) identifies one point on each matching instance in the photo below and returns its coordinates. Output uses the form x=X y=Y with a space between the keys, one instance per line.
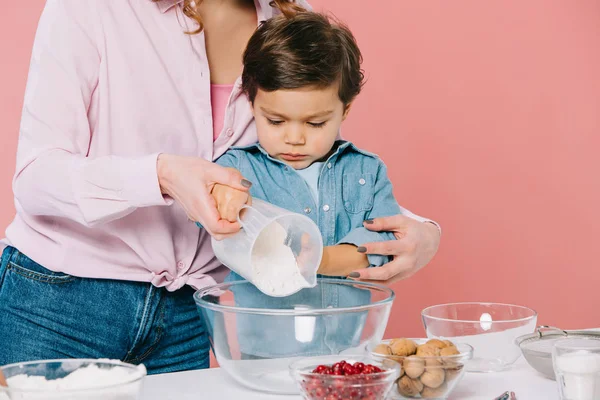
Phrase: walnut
x=451 y=363
x=437 y=393
x=409 y=387
x=427 y=350
x=414 y=366
x=433 y=378
x=452 y=372
x=434 y=362
x=383 y=349
x=403 y=347
x=449 y=351
x=437 y=343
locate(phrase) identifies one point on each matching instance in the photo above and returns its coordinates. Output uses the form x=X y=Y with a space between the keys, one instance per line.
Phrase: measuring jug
x=269 y=237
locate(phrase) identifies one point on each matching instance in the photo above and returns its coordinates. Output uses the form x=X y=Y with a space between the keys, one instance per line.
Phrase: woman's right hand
x=190 y=180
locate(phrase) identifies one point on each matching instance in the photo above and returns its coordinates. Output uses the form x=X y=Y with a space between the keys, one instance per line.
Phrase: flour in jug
x=274 y=264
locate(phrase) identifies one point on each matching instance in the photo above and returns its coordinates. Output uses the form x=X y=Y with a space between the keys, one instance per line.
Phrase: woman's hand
x=190 y=181
x=230 y=201
x=416 y=244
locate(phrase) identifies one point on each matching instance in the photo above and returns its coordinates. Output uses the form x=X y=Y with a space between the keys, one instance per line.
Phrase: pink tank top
x=219 y=97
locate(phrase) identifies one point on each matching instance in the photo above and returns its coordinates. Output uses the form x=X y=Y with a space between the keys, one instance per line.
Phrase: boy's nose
x=295 y=136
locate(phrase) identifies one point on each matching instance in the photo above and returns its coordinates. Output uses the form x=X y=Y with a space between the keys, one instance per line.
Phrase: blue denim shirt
x=353 y=187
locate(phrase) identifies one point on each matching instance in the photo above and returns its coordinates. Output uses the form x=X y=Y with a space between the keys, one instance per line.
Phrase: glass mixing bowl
x=491 y=328
x=255 y=337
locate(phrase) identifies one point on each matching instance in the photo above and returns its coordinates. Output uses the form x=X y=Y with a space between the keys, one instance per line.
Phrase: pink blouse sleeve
x=54 y=176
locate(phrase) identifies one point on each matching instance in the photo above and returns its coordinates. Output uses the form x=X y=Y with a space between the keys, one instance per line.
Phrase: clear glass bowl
x=443 y=372
x=72 y=379
x=315 y=386
x=491 y=328
x=255 y=337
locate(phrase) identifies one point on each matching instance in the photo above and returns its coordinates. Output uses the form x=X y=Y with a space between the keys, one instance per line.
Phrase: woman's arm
x=54 y=175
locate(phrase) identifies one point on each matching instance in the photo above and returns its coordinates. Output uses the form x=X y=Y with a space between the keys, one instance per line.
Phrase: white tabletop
x=216 y=384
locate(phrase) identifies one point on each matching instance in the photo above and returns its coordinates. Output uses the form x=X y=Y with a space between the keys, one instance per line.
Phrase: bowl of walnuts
x=430 y=369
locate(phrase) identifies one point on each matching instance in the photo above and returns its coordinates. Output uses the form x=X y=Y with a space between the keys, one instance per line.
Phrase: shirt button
x=326 y=207
x=329 y=166
x=229 y=132
x=180 y=265
x=307 y=210
x=362 y=181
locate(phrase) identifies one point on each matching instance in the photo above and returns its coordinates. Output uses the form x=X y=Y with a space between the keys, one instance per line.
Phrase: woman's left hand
x=416 y=244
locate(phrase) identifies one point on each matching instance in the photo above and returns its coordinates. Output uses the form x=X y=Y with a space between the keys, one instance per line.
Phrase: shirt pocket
x=358 y=192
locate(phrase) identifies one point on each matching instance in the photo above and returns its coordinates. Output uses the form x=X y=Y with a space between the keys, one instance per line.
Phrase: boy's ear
x=346 y=110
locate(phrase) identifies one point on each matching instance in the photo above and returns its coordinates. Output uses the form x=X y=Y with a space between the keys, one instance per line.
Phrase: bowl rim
x=140 y=374
x=394 y=368
x=465 y=354
x=503 y=321
x=200 y=302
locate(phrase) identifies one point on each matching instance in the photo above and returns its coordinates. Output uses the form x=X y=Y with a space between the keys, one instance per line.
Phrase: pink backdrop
x=488 y=116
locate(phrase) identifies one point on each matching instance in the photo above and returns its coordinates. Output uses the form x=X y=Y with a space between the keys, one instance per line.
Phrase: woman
x=123 y=116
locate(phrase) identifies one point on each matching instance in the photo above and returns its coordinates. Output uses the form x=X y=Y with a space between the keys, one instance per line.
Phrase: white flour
x=86 y=383
x=274 y=264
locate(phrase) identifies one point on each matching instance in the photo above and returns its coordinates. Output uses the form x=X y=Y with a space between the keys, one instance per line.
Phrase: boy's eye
x=274 y=122
x=317 y=124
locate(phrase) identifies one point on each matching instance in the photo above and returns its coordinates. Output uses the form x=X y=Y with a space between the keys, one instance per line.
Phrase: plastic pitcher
x=279 y=251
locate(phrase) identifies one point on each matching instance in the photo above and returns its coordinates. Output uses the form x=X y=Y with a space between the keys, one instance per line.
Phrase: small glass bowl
x=314 y=386
x=431 y=377
x=34 y=380
x=491 y=328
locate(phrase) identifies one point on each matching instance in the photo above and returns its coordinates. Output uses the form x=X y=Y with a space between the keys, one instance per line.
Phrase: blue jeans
x=49 y=315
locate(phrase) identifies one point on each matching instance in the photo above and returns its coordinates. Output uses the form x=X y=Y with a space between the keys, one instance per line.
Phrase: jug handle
x=248 y=228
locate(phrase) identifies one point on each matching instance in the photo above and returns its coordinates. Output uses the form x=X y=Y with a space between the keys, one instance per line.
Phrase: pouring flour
x=277 y=250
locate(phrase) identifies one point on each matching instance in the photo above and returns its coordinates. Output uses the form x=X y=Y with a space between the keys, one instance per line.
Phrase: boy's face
x=299 y=126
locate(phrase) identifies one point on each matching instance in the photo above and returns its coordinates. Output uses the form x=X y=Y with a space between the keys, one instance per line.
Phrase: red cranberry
x=359 y=366
x=320 y=369
x=349 y=369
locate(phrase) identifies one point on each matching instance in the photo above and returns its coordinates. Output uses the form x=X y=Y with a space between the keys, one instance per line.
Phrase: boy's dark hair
x=306 y=49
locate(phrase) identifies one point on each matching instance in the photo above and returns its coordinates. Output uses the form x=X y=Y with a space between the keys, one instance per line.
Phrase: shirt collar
x=341 y=146
x=165 y=5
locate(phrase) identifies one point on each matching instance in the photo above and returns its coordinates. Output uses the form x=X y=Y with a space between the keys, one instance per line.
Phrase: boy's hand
x=230 y=201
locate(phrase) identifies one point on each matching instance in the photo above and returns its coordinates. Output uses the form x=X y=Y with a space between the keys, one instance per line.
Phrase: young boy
x=301 y=75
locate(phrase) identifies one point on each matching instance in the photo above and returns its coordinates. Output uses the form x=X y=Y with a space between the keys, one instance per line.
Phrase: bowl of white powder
x=256 y=336
x=72 y=379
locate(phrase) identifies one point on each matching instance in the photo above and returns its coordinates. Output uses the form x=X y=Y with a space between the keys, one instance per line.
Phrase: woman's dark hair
x=305 y=49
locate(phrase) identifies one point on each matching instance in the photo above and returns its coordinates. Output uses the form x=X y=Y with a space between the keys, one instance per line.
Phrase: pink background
x=488 y=116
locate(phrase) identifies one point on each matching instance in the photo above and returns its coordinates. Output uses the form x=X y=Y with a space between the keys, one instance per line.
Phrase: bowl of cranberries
x=352 y=378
